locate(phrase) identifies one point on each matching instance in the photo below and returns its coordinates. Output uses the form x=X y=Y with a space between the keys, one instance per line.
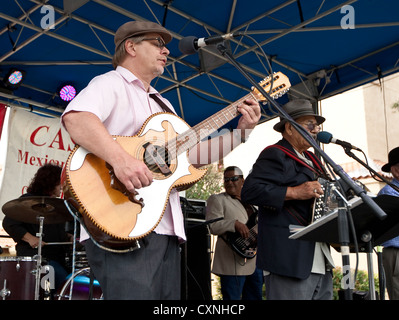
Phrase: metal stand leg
x=343 y=233
x=367 y=238
x=73 y=256
x=381 y=273
x=39 y=258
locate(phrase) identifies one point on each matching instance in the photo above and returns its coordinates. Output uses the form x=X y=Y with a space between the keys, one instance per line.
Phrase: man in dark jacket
x=283 y=183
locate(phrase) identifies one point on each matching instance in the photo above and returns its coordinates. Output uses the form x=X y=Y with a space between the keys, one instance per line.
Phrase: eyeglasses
x=161 y=44
x=311 y=126
x=233 y=179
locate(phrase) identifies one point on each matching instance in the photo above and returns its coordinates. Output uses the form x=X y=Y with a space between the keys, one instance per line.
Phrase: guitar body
x=111 y=218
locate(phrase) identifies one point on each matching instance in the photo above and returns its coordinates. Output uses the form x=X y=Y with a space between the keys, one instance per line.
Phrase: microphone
x=326 y=137
x=191 y=44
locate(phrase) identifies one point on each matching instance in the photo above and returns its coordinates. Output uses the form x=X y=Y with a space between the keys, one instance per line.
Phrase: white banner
x=33 y=141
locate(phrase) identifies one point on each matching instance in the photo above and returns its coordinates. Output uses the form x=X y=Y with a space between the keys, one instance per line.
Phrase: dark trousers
x=315 y=287
x=390 y=260
x=242 y=287
x=149 y=273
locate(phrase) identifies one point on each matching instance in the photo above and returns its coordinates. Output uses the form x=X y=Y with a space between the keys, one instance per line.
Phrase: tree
x=211 y=183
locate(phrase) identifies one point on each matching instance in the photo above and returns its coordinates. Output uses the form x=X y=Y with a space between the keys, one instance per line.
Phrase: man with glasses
x=283 y=184
x=118 y=103
x=239 y=277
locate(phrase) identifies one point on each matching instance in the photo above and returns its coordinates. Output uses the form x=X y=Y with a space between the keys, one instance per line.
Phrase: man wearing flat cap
x=283 y=184
x=390 y=253
x=118 y=103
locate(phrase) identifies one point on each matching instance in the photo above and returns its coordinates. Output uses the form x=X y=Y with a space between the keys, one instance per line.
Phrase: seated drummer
x=46 y=183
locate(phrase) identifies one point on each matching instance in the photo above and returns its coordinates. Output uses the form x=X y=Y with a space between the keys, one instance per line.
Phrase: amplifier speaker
x=196 y=258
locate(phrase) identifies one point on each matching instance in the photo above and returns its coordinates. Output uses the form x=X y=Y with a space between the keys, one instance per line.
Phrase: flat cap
x=135 y=28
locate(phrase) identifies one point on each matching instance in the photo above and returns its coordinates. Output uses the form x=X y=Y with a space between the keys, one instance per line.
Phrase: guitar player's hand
x=250 y=114
x=242 y=229
x=133 y=173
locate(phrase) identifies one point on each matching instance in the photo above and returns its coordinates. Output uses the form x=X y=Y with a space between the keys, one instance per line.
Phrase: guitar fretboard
x=192 y=136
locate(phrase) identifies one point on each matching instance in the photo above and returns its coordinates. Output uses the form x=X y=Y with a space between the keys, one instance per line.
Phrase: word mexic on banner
x=26 y=158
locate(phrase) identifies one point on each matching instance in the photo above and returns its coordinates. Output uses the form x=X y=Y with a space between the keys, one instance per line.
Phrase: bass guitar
x=245 y=247
x=115 y=218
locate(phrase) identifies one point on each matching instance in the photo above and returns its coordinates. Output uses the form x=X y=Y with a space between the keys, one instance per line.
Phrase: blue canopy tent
x=324 y=47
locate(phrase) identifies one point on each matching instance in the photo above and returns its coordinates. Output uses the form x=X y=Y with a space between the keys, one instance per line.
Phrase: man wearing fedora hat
x=390 y=253
x=283 y=184
x=118 y=103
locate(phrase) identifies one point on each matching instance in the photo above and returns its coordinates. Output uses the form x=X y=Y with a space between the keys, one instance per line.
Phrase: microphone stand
x=344 y=233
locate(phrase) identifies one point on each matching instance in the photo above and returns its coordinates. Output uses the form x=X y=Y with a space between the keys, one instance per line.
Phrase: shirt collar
x=131 y=77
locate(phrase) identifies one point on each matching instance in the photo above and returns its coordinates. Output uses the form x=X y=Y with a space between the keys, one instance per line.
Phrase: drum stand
x=73 y=257
x=39 y=257
x=73 y=275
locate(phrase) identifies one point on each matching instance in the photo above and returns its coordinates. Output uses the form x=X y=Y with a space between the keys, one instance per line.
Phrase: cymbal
x=28 y=209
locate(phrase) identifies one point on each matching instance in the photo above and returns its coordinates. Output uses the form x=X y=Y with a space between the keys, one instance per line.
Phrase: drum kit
x=21 y=277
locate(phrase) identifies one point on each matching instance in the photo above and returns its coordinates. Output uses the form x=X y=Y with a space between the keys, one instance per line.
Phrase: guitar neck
x=277 y=84
x=194 y=135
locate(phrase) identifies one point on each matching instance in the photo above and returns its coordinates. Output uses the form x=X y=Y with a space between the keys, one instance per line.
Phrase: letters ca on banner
x=33 y=141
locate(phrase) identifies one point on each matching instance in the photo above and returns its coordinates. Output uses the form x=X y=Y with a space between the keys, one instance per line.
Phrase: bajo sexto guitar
x=114 y=218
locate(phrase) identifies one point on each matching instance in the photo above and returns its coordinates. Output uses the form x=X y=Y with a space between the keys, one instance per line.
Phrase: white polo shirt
x=119 y=99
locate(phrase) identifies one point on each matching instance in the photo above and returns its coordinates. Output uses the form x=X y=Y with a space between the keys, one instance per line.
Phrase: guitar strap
x=248 y=208
x=317 y=168
x=161 y=103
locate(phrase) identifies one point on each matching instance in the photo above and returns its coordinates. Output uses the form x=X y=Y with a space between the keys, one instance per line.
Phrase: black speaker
x=196 y=258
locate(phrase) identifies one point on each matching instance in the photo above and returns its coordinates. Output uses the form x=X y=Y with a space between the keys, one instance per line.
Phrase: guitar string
x=249 y=240
x=193 y=135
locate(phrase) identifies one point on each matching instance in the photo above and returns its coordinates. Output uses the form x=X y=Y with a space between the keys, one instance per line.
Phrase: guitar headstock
x=281 y=85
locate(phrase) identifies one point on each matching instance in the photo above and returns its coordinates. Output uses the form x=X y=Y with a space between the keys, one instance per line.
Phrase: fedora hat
x=135 y=28
x=297 y=108
x=393 y=158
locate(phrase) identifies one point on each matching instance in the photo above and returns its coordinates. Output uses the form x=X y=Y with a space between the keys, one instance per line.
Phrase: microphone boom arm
x=352 y=155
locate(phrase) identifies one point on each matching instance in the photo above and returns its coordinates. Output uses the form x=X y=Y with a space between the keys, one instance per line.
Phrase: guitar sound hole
x=157 y=159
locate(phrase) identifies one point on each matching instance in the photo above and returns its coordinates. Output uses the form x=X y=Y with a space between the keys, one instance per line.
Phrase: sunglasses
x=311 y=126
x=233 y=179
